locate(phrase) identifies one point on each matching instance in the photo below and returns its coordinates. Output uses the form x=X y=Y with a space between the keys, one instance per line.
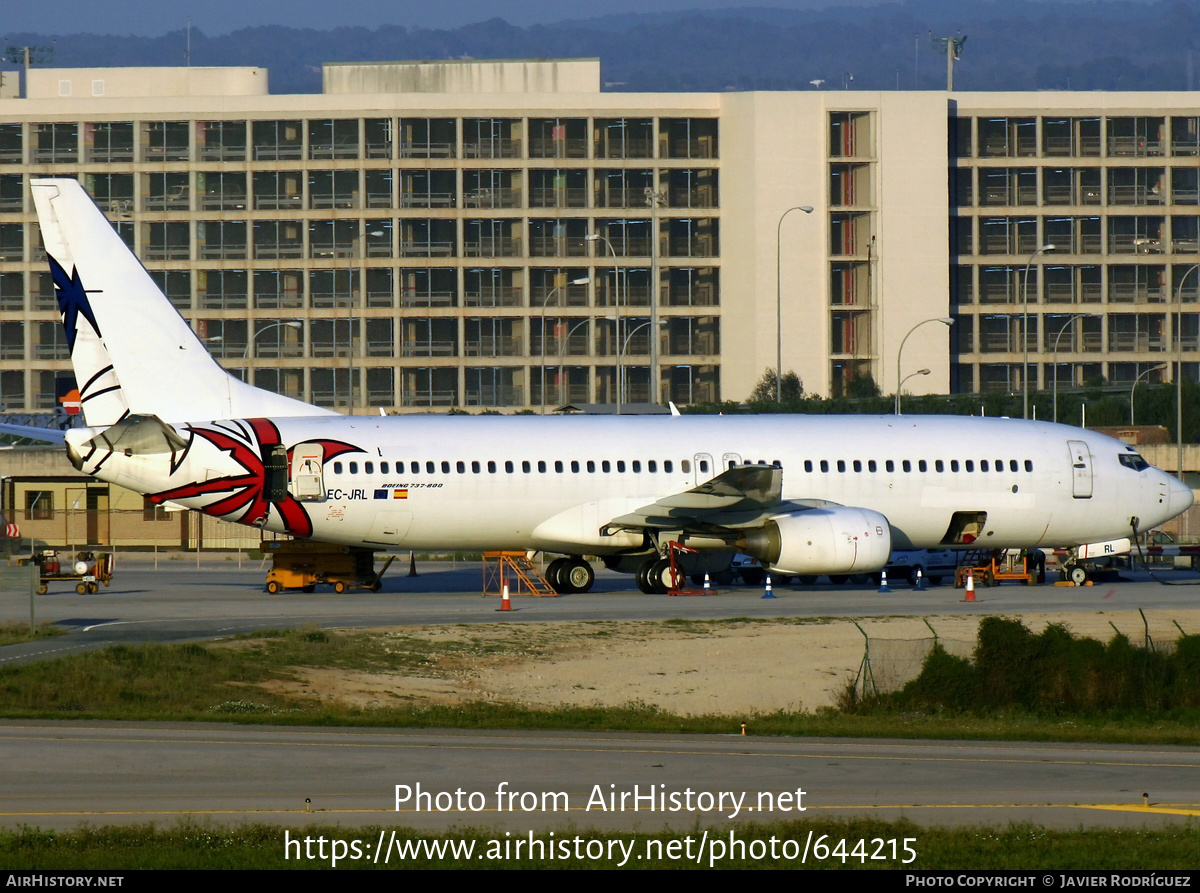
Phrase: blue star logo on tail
x=72 y=301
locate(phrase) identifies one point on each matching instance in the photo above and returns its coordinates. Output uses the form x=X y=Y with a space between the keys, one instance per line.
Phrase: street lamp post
x=653 y=335
x=290 y=323
x=1041 y=249
x=654 y=200
x=562 y=348
x=356 y=252
x=1054 y=359
x=1135 y=384
x=944 y=320
x=1179 y=366
x=584 y=281
x=596 y=237
x=807 y=209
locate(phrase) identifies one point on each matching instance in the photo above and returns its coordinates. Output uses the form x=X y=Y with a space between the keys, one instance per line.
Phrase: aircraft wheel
x=838 y=579
x=554 y=575
x=273 y=587
x=642 y=575
x=860 y=579
x=724 y=578
x=754 y=576
x=1078 y=576
x=339 y=587
x=81 y=588
x=660 y=577
x=808 y=579
x=578 y=575
x=782 y=579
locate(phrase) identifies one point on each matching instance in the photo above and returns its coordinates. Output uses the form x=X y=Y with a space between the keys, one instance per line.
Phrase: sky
x=215 y=17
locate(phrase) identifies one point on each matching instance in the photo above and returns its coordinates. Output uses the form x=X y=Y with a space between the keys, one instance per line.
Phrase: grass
x=15 y=633
x=192 y=845
x=257 y=678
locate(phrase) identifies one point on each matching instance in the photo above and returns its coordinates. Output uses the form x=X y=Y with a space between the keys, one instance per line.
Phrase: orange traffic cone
x=505 y=603
x=970 y=596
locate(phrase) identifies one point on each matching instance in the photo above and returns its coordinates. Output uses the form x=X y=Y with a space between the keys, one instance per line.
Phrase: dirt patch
x=686 y=668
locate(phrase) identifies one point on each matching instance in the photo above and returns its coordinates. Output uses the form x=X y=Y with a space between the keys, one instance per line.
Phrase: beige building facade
x=505 y=236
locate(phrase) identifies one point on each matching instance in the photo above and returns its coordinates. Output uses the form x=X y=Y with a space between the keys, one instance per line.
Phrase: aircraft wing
x=31 y=432
x=739 y=497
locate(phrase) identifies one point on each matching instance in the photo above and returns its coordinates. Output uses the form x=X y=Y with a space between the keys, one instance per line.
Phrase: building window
x=39 y=505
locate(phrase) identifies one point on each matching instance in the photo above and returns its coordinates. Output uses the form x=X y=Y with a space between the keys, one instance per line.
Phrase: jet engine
x=834 y=539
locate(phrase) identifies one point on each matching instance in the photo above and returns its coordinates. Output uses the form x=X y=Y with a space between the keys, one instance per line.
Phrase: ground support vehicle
x=991 y=566
x=299 y=564
x=89 y=569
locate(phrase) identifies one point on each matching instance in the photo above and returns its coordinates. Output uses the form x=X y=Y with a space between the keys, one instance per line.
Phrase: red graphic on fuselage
x=247 y=491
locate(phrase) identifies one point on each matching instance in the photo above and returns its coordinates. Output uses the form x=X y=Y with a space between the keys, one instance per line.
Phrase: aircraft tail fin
x=131 y=350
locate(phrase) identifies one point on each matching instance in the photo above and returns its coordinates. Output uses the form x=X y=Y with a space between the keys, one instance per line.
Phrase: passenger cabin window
x=808 y=466
x=383 y=468
x=637 y=466
x=907 y=466
x=591 y=466
x=858 y=465
x=337 y=467
x=430 y=468
x=526 y=467
x=889 y=466
x=369 y=467
x=668 y=466
x=491 y=467
x=606 y=466
x=841 y=466
x=508 y=467
x=1029 y=465
x=620 y=466
x=921 y=466
x=871 y=465
x=939 y=466
x=685 y=466
x=354 y=468
x=541 y=466
x=475 y=468
x=825 y=466
x=558 y=466
x=445 y=467
x=460 y=467
x=983 y=464
x=1012 y=465
x=651 y=466
x=574 y=466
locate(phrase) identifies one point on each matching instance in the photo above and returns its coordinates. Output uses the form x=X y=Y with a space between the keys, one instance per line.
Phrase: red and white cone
x=505 y=603
x=970 y=596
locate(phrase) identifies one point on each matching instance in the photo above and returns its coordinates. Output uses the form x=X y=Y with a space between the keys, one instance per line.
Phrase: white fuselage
x=551 y=483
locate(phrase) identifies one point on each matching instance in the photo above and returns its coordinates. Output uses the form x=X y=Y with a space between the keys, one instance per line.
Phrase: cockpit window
x=1134 y=461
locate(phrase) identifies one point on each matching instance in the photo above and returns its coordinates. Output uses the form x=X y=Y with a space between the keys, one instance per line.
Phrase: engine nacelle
x=835 y=539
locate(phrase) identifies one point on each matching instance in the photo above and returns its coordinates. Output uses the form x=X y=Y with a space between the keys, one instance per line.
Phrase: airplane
x=805 y=495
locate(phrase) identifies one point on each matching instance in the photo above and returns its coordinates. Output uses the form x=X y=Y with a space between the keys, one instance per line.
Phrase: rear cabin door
x=307 y=462
x=1081 y=469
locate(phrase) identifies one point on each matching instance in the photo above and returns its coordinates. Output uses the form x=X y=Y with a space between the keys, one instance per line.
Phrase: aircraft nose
x=1181 y=497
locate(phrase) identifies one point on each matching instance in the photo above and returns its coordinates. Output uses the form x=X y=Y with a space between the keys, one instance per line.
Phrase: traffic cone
x=768 y=593
x=707 y=584
x=883 y=586
x=412 y=564
x=970 y=596
x=505 y=603
x=920 y=584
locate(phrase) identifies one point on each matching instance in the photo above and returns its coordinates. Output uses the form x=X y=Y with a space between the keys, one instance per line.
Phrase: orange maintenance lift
x=992 y=566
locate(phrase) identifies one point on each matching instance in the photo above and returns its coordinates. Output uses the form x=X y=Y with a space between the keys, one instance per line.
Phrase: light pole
x=356 y=252
x=596 y=237
x=807 y=209
x=1041 y=249
x=906 y=378
x=1179 y=365
x=653 y=335
x=584 y=281
x=1054 y=358
x=944 y=320
x=1135 y=384
x=654 y=201
x=290 y=323
x=562 y=347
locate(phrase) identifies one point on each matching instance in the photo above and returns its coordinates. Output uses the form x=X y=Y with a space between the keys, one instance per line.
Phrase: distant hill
x=1018 y=45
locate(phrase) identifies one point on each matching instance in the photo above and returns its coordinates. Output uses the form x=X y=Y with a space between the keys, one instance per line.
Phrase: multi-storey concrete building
x=506 y=235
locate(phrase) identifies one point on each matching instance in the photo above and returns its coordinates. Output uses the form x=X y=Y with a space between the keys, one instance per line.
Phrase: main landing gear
x=569 y=575
x=654 y=576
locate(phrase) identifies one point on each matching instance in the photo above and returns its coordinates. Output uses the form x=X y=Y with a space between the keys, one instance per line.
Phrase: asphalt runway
x=61 y=775
x=179 y=601
x=58 y=775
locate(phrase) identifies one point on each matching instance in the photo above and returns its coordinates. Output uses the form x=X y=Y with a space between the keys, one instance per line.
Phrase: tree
x=764 y=391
